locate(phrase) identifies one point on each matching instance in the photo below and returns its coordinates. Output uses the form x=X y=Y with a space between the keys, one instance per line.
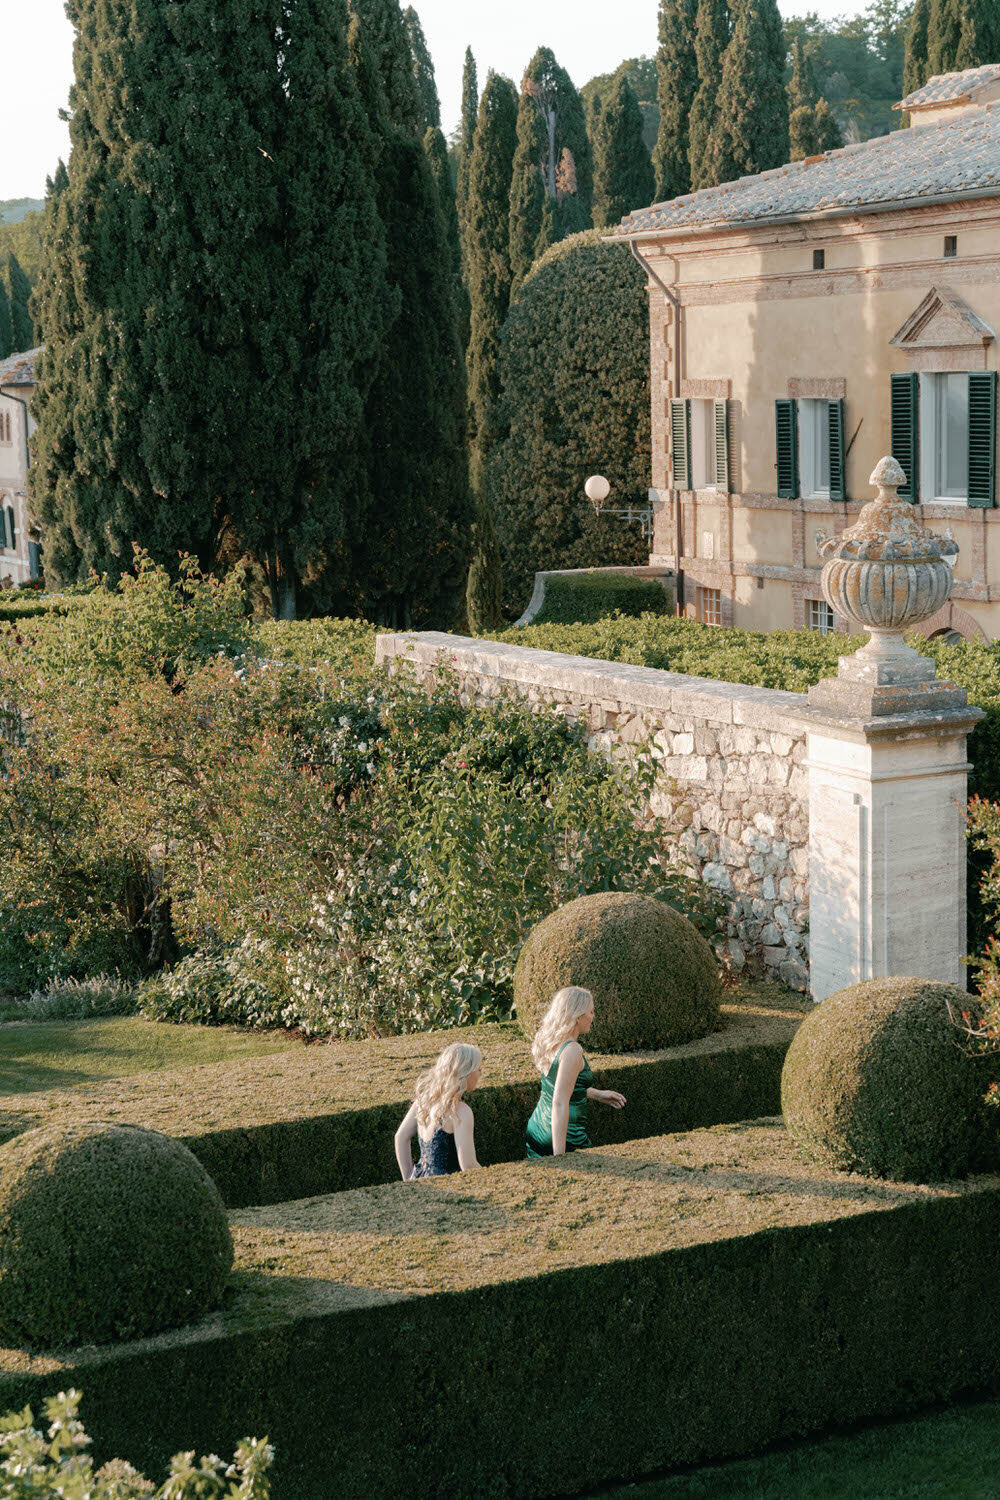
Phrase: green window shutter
x=838 y=484
x=10 y=527
x=787 y=443
x=721 y=444
x=680 y=443
x=905 y=409
x=982 y=437
x=3 y=528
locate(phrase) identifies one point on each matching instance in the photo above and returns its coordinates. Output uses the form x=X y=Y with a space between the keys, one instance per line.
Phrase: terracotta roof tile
x=951 y=88
x=19 y=369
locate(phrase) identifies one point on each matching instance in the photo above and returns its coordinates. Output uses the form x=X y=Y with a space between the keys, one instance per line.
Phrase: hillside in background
x=13 y=210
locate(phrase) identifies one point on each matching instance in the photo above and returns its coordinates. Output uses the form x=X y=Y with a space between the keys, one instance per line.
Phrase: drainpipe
x=674 y=388
x=27 y=458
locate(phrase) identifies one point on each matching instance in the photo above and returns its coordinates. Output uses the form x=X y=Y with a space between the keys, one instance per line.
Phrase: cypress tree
x=750 y=134
x=209 y=348
x=489 y=275
x=436 y=151
x=6 y=326
x=916 y=69
x=623 y=172
x=802 y=90
x=979 y=41
x=802 y=134
x=466 y=140
x=711 y=41
x=18 y=289
x=676 y=86
x=829 y=136
x=944 y=32
x=141 y=418
x=423 y=70
x=552 y=176
x=410 y=565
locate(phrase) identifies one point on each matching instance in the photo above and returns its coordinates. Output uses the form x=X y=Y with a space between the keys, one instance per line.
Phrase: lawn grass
x=36 y=1057
x=950 y=1455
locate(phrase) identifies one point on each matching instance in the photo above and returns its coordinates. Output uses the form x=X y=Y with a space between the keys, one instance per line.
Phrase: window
x=814 y=449
x=819 y=260
x=950 y=246
x=819 y=617
x=944 y=436
x=6 y=429
x=699 y=438
x=11 y=532
x=709 y=606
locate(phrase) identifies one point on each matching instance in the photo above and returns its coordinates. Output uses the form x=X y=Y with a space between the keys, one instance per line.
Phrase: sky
x=503 y=34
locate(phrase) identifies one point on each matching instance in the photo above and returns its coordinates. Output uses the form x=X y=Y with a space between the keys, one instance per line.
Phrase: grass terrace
x=642 y=1271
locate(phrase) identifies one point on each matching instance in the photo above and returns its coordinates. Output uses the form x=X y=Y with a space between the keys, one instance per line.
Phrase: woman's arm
x=607 y=1096
x=570 y=1067
x=403 y=1138
x=465 y=1125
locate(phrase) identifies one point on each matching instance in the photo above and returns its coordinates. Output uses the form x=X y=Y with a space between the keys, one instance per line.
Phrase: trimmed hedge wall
x=321 y=1119
x=584 y=598
x=712 y=1295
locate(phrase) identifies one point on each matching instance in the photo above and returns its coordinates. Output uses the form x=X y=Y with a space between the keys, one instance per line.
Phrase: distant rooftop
x=19 y=369
x=957 y=158
x=952 y=88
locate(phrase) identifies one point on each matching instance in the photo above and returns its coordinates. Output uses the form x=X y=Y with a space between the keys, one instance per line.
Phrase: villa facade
x=803 y=323
x=20 y=555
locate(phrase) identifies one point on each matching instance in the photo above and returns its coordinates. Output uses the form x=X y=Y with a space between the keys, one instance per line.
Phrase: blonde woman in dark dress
x=559 y=1123
x=440 y=1118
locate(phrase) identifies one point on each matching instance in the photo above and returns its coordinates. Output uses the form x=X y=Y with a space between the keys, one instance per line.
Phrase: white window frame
x=820 y=618
x=933 y=459
x=814 y=447
x=703 y=444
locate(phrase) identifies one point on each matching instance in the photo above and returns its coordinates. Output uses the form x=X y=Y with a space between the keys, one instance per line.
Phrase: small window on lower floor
x=709 y=606
x=819 y=617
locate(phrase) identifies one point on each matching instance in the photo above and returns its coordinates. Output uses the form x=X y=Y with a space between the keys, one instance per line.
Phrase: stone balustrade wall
x=733 y=792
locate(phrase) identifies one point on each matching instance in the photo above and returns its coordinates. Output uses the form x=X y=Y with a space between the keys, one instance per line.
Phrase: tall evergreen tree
x=944 y=33
x=6 y=326
x=802 y=90
x=750 y=134
x=18 y=289
x=711 y=41
x=623 y=172
x=829 y=136
x=979 y=41
x=676 y=86
x=436 y=150
x=410 y=566
x=552 y=187
x=423 y=70
x=803 y=139
x=466 y=140
x=916 y=68
x=489 y=275
x=211 y=298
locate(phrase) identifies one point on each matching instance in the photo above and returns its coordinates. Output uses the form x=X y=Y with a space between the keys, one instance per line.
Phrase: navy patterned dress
x=438 y=1156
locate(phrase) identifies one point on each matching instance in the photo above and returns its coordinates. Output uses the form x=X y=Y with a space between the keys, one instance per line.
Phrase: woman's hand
x=607 y=1096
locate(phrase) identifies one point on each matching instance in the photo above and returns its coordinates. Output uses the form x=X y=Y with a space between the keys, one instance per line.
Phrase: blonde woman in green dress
x=559 y=1123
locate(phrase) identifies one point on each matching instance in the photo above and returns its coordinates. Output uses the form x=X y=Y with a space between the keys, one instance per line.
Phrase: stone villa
x=801 y=317
x=19 y=550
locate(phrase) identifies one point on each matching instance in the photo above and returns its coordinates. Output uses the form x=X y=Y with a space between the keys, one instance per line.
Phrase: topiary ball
x=654 y=978
x=876 y=1081
x=106 y=1232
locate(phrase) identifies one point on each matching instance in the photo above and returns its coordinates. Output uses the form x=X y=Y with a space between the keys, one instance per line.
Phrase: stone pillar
x=886 y=757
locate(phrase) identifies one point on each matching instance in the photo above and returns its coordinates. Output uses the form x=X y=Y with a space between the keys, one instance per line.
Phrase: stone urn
x=886 y=574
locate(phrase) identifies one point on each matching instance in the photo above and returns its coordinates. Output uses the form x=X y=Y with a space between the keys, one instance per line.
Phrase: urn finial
x=886 y=574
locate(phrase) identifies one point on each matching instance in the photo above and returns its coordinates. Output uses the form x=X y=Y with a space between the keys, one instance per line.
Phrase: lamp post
x=597 y=489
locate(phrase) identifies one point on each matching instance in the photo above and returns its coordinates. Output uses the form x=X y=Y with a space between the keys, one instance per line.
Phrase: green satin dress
x=540 y=1124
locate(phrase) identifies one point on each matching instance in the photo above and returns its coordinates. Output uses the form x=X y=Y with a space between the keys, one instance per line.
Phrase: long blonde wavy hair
x=439 y=1091
x=558 y=1024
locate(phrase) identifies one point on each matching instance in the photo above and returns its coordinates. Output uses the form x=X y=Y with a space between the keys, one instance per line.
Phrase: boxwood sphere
x=654 y=978
x=876 y=1081
x=106 y=1232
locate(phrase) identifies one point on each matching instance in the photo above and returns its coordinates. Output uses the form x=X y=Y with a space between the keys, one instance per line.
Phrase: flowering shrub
x=38 y=1464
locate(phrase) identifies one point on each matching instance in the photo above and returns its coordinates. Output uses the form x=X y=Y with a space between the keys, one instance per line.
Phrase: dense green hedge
x=712 y=1296
x=589 y=597
x=28 y=606
x=321 y=1119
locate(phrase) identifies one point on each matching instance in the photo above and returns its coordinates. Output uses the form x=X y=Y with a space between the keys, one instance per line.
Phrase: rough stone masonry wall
x=733 y=788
